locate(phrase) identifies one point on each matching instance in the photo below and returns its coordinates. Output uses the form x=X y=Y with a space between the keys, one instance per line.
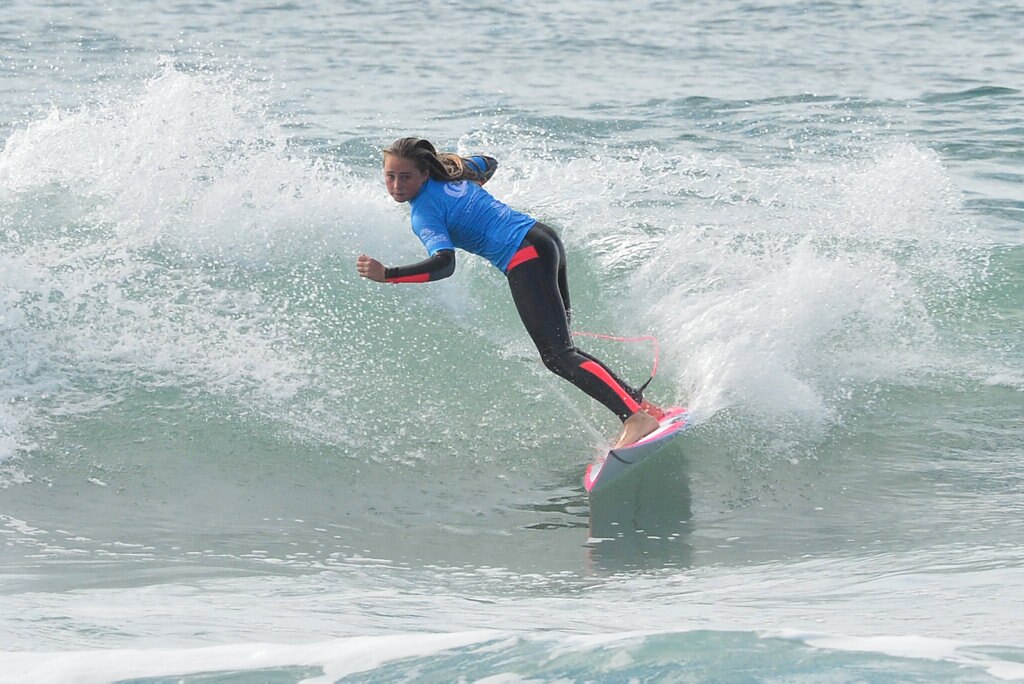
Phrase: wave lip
x=337 y=659
x=970 y=94
x=501 y=656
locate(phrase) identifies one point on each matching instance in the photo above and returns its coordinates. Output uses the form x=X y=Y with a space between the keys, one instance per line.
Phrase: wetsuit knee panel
x=561 y=362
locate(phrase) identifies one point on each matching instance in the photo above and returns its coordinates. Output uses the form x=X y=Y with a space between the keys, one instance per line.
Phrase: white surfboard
x=618 y=461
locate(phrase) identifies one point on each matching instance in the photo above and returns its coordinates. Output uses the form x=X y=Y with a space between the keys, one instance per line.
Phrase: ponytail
x=443 y=166
x=456 y=166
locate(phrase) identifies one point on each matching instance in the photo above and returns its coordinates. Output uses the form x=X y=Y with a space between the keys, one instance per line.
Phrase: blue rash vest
x=446 y=215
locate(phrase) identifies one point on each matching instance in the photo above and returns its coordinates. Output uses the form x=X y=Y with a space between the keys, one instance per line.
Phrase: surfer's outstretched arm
x=439 y=266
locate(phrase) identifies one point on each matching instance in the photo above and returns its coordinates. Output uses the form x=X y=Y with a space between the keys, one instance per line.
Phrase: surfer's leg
x=563 y=291
x=538 y=298
x=563 y=277
x=542 y=231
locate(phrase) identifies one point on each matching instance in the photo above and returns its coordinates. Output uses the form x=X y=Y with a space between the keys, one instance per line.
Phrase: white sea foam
x=775 y=289
x=338 y=658
x=140 y=229
x=925 y=648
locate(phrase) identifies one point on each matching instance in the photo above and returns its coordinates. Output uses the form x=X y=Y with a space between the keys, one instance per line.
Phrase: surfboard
x=618 y=461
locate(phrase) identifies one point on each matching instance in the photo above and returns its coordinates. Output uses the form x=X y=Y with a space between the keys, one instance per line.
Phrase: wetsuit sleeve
x=483 y=166
x=439 y=265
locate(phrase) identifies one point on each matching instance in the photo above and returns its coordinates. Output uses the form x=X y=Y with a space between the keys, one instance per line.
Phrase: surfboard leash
x=629 y=340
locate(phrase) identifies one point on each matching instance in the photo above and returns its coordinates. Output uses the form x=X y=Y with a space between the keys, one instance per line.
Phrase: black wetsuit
x=540 y=289
x=537 y=279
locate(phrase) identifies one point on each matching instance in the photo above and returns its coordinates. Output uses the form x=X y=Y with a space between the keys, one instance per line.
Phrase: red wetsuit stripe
x=525 y=254
x=419 y=278
x=603 y=376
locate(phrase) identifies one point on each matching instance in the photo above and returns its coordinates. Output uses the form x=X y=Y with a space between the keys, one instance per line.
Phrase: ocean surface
x=226 y=458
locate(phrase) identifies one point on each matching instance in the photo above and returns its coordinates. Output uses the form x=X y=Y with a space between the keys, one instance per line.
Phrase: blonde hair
x=443 y=166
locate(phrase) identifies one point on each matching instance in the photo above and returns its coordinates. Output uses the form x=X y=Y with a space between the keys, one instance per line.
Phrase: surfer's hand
x=370 y=268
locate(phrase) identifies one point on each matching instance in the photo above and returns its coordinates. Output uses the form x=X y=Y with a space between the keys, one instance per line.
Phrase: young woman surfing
x=451 y=209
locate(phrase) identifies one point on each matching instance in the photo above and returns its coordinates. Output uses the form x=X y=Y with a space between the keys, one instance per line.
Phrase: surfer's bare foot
x=636 y=427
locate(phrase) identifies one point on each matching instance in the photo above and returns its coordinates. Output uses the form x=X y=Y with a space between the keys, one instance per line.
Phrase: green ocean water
x=224 y=457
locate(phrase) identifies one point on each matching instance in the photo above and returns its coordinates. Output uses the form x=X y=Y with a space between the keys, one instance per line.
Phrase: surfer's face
x=402 y=178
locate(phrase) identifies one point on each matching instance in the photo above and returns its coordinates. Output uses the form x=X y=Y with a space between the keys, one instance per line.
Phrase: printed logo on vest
x=456 y=188
x=432 y=239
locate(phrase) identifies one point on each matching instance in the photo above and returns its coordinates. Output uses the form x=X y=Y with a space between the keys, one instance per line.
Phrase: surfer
x=449 y=209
